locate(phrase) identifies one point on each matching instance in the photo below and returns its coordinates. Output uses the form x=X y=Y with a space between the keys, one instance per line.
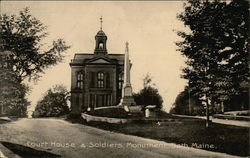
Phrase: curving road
x=68 y=140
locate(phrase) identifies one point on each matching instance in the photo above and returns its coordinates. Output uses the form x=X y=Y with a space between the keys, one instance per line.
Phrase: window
x=100 y=45
x=100 y=80
x=120 y=80
x=80 y=80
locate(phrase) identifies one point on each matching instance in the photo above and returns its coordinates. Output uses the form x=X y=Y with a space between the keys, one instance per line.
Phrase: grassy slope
x=227 y=139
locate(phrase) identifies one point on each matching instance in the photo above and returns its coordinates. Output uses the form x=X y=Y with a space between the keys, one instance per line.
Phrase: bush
x=12 y=94
x=53 y=104
x=148 y=96
x=112 y=112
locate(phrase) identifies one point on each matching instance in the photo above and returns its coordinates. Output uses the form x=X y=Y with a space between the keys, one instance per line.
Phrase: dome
x=100 y=33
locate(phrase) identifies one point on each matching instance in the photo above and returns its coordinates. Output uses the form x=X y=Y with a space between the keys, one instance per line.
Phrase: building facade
x=97 y=78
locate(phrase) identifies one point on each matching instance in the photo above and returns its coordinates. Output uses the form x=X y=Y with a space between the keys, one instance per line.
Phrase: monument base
x=127 y=101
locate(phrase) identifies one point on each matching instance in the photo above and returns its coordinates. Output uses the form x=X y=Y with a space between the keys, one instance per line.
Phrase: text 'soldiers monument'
x=127 y=98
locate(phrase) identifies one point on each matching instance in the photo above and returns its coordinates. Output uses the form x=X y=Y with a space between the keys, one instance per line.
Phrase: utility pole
x=207 y=87
x=206 y=96
x=207 y=79
x=206 y=90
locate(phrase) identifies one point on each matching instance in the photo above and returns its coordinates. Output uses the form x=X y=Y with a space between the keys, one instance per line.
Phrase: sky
x=149 y=27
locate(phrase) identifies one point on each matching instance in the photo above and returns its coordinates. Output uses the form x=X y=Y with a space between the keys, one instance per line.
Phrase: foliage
x=53 y=104
x=238 y=101
x=147 y=80
x=112 y=112
x=215 y=48
x=149 y=95
x=23 y=35
x=22 y=55
x=183 y=101
x=12 y=94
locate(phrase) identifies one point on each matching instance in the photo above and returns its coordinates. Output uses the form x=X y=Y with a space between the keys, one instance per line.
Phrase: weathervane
x=101 y=22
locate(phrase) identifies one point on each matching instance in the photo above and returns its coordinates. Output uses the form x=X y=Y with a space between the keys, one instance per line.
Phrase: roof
x=81 y=58
x=100 y=33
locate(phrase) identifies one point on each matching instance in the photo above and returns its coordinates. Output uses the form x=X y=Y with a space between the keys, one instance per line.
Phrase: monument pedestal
x=127 y=101
x=127 y=98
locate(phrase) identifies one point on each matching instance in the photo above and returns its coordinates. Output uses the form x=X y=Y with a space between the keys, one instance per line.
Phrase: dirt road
x=58 y=138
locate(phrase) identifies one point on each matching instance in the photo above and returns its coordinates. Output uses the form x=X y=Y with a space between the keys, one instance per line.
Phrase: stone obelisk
x=127 y=98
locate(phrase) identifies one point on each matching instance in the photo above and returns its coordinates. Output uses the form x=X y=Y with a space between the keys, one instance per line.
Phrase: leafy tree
x=149 y=95
x=215 y=48
x=23 y=35
x=184 y=100
x=53 y=104
x=22 y=55
x=12 y=95
x=147 y=80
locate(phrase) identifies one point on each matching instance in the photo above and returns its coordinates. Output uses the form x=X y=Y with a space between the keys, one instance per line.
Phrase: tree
x=215 y=48
x=23 y=55
x=149 y=95
x=23 y=35
x=53 y=104
x=12 y=94
x=187 y=104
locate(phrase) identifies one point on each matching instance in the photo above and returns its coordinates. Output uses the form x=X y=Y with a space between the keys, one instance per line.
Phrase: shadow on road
x=27 y=152
x=3 y=121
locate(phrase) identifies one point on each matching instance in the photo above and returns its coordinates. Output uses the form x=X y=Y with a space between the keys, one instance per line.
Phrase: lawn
x=220 y=138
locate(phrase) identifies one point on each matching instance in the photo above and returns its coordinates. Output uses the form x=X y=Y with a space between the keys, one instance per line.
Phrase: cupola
x=101 y=39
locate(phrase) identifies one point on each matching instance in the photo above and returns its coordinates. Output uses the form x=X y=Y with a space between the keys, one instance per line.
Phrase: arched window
x=100 y=45
x=120 y=80
x=100 y=79
x=80 y=80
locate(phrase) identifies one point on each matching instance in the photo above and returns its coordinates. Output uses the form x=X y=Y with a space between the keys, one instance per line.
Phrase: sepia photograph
x=124 y=79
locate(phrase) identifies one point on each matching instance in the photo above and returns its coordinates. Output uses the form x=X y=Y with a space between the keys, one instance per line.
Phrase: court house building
x=96 y=78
